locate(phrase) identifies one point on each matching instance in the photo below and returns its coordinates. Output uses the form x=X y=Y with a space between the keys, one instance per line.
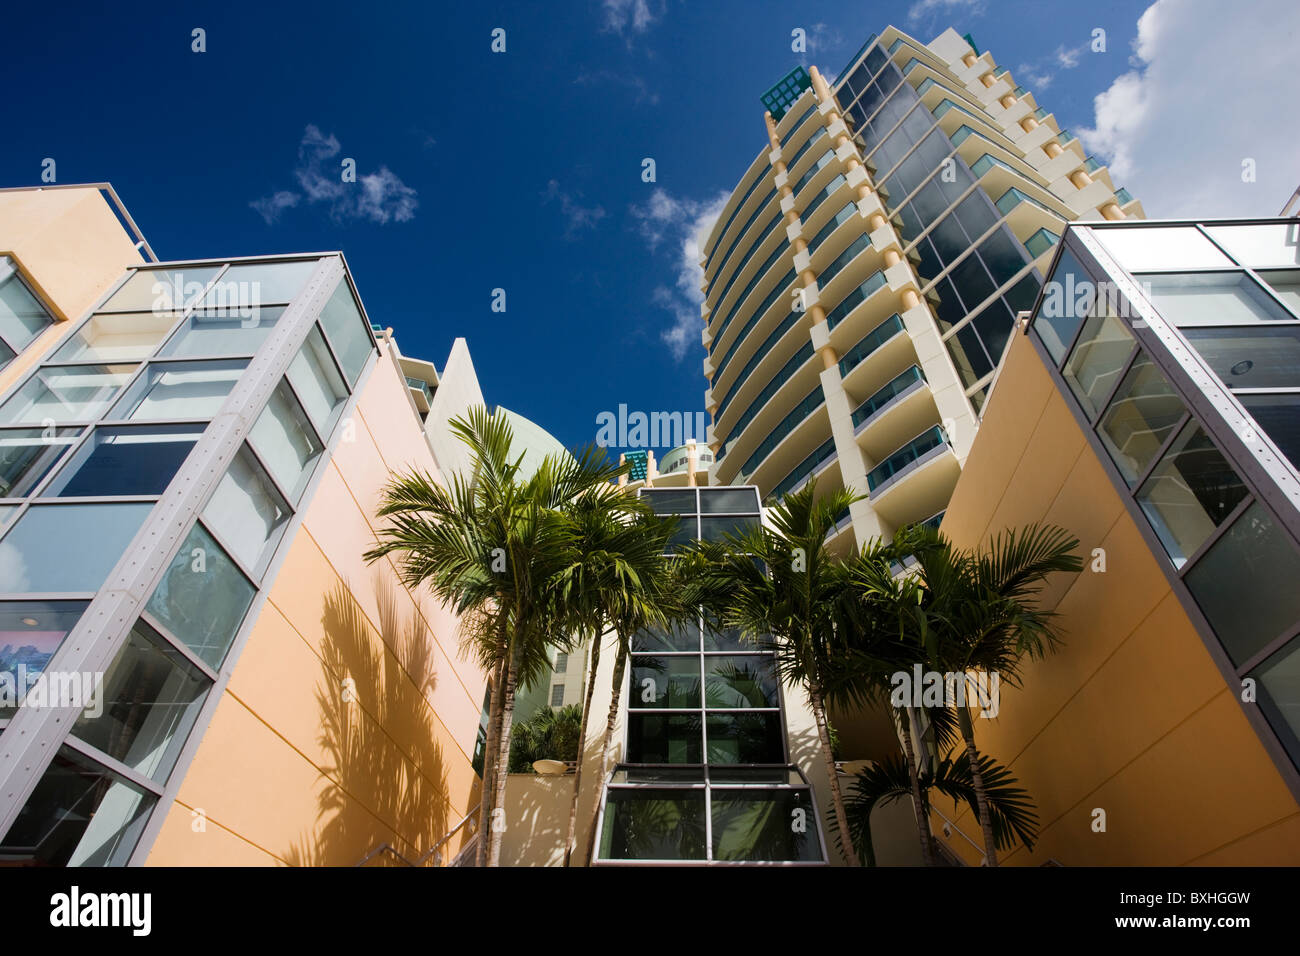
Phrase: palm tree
x=1012 y=812
x=781 y=588
x=974 y=612
x=493 y=545
x=879 y=606
x=613 y=558
x=638 y=591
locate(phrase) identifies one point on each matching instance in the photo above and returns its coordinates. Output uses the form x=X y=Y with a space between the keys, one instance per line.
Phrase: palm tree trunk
x=593 y=663
x=503 y=756
x=491 y=744
x=977 y=779
x=620 y=666
x=837 y=797
x=918 y=804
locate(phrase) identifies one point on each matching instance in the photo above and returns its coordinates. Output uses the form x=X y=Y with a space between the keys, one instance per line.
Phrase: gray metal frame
x=703 y=710
x=706 y=785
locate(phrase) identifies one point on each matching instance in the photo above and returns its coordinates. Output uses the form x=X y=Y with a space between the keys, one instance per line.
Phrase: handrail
x=431 y=853
x=141 y=242
x=952 y=826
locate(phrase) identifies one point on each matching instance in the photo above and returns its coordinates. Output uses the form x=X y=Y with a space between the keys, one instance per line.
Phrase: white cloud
x=270 y=207
x=1069 y=59
x=577 y=216
x=1209 y=91
x=378 y=197
x=624 y=16
x=1041 y=73
x=685 y=223
x=927 y=10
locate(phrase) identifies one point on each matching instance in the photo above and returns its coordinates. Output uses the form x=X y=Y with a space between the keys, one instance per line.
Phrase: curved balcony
x=824 y=162
x=903 y=406
x=804 y=408
x=719 y=232
x=873 y=350
x=792 y=167
x=774 y=303
x=808 y=211
x=769 y=349
x=794 y=133
x=916 y=480
x=859 y=312
x=811 y=467
x=846 y=214
x=1024 y=214
x=855 y=264
x=754 y=246
x=803 y=428
x=757 y=276
x=790 y=372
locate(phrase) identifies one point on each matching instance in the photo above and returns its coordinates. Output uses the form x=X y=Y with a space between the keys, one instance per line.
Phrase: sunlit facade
x=191 y=463
x=1149 y=409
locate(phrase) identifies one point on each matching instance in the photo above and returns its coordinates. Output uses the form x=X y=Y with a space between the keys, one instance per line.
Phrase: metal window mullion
x=1260 y=657
x=1220 y=529
x=113 y=765
x=290 y=504
x=25 y=597
x=1158 y=457
x=61 y=462
x=185 y=312
x=315 y=431
x=1083 y=320
x=180 y=646
x=338 y=364
x=1104 y=404
x=209 y=526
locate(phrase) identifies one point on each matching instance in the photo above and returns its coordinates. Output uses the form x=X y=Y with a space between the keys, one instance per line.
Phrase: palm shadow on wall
x=382 y=765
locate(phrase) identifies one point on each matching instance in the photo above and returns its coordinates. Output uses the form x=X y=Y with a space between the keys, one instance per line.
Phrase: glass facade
x=976 y=267
x=706 y=775
x=95 y=438
x=1185 y=369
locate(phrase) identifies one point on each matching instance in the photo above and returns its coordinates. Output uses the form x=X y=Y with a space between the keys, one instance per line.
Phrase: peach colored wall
x=70 y=246
x=286 y=771
x=1132 y=716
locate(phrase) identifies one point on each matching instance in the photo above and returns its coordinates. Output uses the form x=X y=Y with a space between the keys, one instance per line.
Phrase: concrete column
x=691 y=459
x=1112 y=210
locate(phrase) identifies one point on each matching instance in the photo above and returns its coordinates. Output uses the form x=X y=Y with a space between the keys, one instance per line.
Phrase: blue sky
x=477 y=170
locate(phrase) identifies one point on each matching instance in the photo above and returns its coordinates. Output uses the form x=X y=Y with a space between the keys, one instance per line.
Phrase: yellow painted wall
x=70 y=247
x=1132 y=716
x=287 y=772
